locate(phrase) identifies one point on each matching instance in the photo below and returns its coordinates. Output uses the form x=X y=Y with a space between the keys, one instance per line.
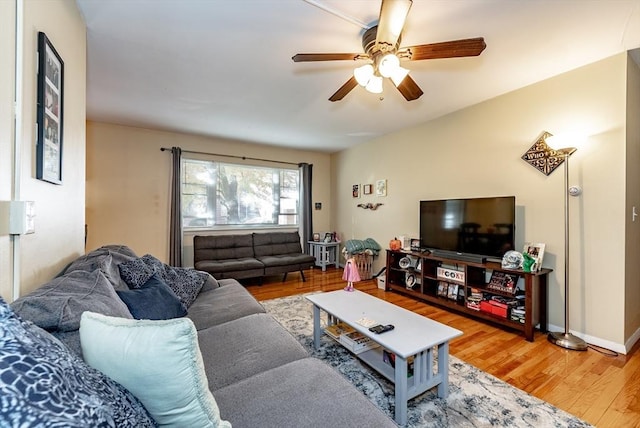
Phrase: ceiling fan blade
x=393 y=14
x=306 y=57
x=409 y=89
x=344 y=89
x=451 y=49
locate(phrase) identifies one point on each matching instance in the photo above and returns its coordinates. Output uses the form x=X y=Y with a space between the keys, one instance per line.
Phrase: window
x=225 y=194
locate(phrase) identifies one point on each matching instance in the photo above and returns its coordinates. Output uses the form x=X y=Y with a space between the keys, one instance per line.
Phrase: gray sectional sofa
x=253 y=255
x=258 y=373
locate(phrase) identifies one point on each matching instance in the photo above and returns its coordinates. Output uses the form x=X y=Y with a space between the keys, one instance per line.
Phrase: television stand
x=467 y=287
x=454 y=255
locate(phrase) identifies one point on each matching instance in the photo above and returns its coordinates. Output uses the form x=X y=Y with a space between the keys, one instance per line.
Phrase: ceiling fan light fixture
x=383 y=50
x=363 y=74
x=375 y=85
x=398 y=75
x=388 y=65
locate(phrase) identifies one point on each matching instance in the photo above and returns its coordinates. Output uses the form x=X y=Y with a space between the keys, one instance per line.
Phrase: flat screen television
x=473 y=226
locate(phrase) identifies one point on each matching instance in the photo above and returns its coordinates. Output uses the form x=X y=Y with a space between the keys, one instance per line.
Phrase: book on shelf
x=357 y=342
x=390 y=358
x=474 y=299
x=476 y=293
x=503 y=281
x=338 y=329
x=443 y=287
x=453 y=292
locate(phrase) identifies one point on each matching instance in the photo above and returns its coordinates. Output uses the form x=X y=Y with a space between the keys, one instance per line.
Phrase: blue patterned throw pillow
x=185 y=282
x=135 y=272
x=43 y=384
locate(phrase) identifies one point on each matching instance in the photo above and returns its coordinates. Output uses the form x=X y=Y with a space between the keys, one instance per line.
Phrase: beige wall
x=476 y=152
x=632 y=292
x=59 y=209
x=7 y=81
x=128 y=183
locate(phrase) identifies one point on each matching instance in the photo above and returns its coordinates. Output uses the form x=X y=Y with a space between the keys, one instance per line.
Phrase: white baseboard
x=632 y=340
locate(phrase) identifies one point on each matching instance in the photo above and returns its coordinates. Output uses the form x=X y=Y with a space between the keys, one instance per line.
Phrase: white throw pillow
x=158 y=361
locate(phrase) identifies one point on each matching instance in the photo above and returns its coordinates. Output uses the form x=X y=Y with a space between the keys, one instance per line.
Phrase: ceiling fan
x=381 y=48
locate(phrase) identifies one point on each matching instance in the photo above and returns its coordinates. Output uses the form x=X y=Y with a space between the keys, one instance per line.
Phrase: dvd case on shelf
x=357 y=342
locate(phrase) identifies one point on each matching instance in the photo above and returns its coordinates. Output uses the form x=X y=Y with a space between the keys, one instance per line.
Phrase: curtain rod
x=166 y=149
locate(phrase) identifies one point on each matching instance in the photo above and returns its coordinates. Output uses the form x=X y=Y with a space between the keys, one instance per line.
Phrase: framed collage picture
x=49 y=112
x=536 y=251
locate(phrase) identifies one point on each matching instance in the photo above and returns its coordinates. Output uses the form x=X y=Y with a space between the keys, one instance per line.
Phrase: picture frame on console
x=415 y=244
x=536 y=251
x=49 y=112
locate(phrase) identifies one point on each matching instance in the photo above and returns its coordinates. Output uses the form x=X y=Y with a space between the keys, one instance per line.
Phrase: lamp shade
x=388 y=64
x=374 y=85
x=363 y=74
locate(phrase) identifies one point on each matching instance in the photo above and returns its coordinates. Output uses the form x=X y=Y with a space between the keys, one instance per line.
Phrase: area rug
x=476 y=398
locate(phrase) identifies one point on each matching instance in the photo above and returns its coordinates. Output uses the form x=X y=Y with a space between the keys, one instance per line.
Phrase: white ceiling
x=223 y=67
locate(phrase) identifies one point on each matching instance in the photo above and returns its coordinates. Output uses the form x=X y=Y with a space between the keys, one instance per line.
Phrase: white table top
x=413 y=333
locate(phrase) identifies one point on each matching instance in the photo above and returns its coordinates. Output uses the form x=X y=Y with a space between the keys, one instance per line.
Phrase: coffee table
x=414 y=336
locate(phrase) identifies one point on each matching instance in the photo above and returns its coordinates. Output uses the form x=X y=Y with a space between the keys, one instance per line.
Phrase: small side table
x=326 y=253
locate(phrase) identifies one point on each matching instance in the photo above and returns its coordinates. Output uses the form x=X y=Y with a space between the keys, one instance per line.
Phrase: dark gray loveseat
x=258 y=373
x=250 y=255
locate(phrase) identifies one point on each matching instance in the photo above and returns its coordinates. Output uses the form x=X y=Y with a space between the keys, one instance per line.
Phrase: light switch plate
x=17 y=217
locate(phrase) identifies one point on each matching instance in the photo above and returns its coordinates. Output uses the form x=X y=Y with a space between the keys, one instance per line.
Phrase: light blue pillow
x=158 y=361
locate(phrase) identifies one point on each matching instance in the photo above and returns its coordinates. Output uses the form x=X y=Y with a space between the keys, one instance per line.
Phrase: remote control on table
x=379 y=329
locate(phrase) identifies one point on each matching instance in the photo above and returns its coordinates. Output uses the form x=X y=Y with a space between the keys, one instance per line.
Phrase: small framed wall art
x=49 y=112
x=355 y=190
x=367 y=189
x=381 y=188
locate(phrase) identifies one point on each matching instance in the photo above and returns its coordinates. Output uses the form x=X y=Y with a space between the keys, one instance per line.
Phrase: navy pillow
x=43 y=384
x=153 y=301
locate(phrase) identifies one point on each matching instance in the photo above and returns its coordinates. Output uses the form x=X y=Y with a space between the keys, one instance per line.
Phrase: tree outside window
x=224 y=194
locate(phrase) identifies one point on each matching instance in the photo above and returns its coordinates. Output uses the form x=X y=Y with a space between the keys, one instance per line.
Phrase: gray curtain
x=175 y=226
x=306 y=214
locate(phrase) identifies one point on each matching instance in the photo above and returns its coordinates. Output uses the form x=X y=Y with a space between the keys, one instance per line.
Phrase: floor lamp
x=566 y=339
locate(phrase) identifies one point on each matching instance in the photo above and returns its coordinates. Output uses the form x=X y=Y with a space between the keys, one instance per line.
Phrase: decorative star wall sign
x=542 y=157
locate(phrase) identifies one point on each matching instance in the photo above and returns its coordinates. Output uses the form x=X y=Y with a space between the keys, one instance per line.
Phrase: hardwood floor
x=602 y=390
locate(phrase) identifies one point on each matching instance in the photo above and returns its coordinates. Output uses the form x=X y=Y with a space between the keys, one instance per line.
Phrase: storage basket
x=365 y=265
